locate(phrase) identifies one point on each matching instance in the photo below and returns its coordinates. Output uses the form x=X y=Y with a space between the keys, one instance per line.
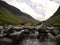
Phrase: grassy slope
x=7 y=17
x=54 y=21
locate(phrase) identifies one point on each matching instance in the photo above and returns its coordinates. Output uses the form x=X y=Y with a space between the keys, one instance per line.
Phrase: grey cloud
x=57 y=1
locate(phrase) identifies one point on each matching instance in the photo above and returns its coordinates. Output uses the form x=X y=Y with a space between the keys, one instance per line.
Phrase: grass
x=7 y=17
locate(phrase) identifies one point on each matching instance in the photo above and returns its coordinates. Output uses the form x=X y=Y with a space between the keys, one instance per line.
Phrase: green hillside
x=7 y=17
x=54 y=21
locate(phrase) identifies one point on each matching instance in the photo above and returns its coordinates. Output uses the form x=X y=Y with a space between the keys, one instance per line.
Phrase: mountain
x=7 y=17
x=55 y=19
x=11 y=15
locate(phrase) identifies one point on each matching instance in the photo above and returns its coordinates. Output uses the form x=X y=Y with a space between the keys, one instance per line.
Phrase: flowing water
x=37 y=42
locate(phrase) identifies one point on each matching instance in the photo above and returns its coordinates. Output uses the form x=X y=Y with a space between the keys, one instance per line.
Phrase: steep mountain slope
x=16 y=11
x=7 y=17
x=55 y=19
x=10 y=8
x=12 y=15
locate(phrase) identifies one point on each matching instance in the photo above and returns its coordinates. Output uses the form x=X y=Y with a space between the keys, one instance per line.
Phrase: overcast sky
x=40 y=10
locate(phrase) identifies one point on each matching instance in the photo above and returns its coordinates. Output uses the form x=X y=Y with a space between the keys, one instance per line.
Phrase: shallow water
x=37 y=42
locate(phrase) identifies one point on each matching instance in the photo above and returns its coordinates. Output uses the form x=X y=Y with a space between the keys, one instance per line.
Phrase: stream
x=37 y=42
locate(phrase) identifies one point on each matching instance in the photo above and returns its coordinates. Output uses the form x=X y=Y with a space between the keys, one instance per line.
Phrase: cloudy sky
x=40 y=10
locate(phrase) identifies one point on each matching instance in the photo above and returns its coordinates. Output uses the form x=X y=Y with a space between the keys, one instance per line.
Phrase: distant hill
x=11 y=15
x=55 y=19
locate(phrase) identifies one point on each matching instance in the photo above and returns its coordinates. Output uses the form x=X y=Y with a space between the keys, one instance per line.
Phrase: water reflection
x=37 y=42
